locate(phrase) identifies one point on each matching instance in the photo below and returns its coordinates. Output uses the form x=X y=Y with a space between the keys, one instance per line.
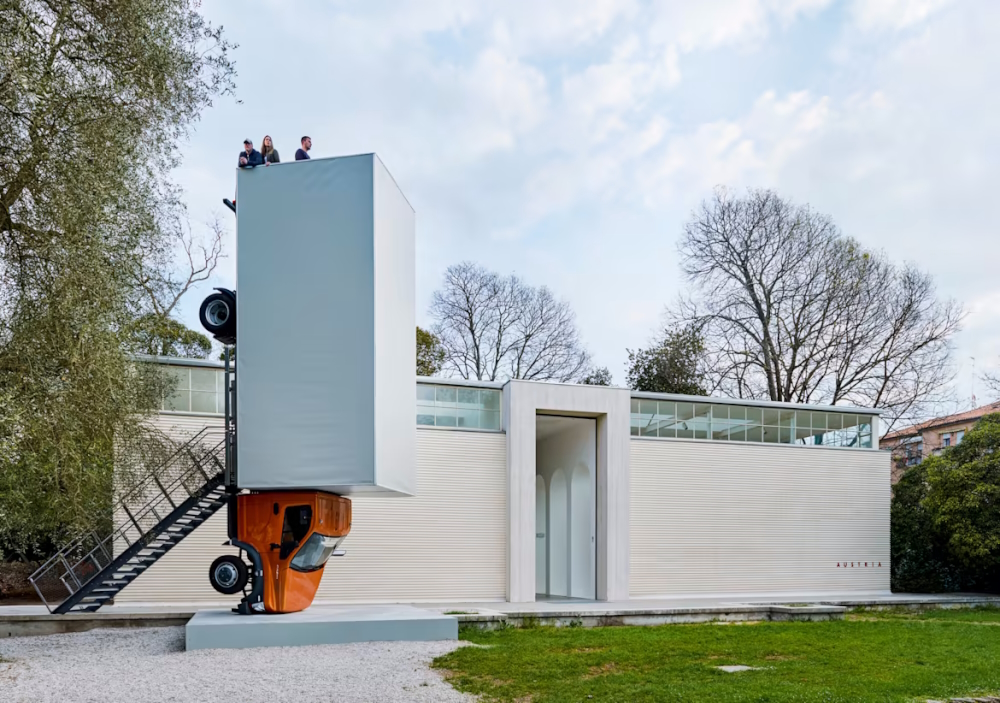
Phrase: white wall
x=557 y=532
x=395 y=342
x=566 y=461
x=582 y=530
x=180 y=427
x=713 y=518
x=446 y=543
x=541 y=536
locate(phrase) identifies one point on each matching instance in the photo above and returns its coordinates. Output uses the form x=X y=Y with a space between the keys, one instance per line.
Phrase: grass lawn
x=871 y=656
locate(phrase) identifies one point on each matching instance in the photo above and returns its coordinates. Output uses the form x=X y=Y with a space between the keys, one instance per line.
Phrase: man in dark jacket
x=250 y=157
x=302 y=154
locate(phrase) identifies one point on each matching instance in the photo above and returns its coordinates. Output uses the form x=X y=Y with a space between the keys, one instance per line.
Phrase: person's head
x=247 y=145
x=306 y=143
x=266 y=147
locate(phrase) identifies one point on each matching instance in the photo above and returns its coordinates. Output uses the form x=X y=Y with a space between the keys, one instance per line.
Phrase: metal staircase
x=154 y=515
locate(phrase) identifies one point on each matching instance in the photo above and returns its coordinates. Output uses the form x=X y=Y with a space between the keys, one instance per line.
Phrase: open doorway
x=565 y=507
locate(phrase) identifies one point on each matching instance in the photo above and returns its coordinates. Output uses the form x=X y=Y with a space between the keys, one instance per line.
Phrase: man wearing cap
x=250 y=157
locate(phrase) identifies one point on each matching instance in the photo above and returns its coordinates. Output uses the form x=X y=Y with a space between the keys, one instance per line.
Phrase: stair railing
x=138 y=510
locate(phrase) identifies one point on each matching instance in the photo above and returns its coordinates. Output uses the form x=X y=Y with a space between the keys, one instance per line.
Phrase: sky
x=568 y=141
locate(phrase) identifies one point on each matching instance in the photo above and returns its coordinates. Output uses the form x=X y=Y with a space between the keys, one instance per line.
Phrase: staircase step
x=184 y=515
x=164 y=544
x=204 y=508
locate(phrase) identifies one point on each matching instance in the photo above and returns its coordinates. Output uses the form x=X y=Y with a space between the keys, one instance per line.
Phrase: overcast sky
x=568 y=140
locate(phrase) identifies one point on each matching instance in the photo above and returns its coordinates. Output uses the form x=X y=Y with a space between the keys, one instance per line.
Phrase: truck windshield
x=314 y=552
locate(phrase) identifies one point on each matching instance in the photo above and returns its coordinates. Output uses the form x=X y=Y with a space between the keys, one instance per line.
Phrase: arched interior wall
x=566 y=464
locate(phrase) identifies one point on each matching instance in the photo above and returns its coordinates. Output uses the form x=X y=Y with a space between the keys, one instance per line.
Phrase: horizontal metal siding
x=180 y=428
x=712 y=518
x=447 y=543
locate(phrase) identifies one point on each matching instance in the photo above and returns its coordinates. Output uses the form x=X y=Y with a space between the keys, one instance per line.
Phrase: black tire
x=218 y=315
x=228 y=574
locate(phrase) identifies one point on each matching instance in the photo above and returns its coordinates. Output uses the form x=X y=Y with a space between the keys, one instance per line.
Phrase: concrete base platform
x=223 y=629
x=23 y=620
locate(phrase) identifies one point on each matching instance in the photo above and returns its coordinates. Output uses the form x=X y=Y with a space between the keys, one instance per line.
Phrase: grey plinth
x=223 y=629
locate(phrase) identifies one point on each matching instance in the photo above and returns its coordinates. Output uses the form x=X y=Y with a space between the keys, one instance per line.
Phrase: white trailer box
x=325 y=320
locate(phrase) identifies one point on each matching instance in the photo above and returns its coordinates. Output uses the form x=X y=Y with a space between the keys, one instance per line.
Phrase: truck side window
x=296 y=523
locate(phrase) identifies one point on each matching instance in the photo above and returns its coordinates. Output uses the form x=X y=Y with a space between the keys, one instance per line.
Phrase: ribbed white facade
x=446 y=543
x=674 y=517
x=181 y=427
x=715 y=518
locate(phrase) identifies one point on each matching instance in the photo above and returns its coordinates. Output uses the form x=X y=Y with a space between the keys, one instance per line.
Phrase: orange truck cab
x=288 y=536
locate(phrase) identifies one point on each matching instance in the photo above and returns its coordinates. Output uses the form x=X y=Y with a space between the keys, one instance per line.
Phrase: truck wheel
x=216 y=312
x=228 y=574
x=218 y=316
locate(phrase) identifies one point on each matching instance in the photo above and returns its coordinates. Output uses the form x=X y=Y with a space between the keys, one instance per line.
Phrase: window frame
x=442 y=407
x=191 y=392
x=850 y=428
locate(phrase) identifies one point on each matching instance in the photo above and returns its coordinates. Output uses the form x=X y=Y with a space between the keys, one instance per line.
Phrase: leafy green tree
x=430 y=353
x=946 y=517
x=93 y=99
x=598 y=376
x=917 y=547
x=673 y=365
x=964 y=498
x=165 y=336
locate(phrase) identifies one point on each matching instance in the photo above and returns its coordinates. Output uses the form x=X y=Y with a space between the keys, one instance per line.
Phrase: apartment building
x=911 y=445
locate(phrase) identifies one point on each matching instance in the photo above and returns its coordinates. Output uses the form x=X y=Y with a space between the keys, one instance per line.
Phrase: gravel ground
x=136 y=666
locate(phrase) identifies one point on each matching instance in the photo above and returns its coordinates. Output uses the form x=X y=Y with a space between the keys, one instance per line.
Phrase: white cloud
x=712 y=23
x=528 y=27
x=894 y=14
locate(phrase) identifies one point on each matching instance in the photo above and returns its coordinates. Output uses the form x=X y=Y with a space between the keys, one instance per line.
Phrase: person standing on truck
x=302 y=154
x=268 y=152
x=248 y=158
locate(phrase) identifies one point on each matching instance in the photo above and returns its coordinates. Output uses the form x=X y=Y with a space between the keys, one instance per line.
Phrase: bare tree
x=791 y=310
x=158 y=276
x=992 y=381
x=496 y=327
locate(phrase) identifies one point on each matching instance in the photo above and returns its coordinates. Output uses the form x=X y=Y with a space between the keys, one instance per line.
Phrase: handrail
x=186 y=444
x=85 y=557
x=143 y=484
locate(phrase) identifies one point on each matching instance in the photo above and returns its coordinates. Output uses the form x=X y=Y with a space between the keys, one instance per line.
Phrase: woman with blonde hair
x=268 y=151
